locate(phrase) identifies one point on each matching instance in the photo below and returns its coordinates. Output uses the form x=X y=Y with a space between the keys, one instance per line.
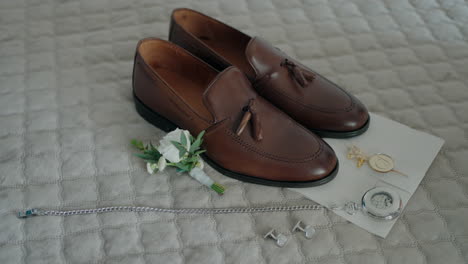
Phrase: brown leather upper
x=182 y=88
x=302 y=93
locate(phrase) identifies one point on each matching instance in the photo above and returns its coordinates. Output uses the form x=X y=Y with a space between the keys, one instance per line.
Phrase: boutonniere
x=181 y=150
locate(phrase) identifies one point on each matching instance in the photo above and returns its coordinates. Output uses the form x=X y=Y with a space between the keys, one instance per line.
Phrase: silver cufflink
x=308 y=230
x=281 y=239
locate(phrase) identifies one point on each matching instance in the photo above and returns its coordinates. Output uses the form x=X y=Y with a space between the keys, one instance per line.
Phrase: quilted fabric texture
x=66 y=119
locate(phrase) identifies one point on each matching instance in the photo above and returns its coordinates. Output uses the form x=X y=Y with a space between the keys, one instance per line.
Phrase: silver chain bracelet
x=381 y=203
x=349 y=207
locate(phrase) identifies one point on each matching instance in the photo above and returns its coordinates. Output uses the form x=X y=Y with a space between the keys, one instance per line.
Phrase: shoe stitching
x=347 y=109
x=264 y=154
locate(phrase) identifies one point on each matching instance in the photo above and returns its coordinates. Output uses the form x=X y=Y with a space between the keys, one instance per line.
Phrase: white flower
x=160 y=166
x=151 y=167
x=168 y=150
x=161 y=163
x=200 y=164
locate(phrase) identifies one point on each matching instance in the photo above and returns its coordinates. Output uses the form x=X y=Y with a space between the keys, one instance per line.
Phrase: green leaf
x=199 y=152
x=183 y=139
x=155 y=154
x=182 y=167
x=191 y=166
x=200 y=136
x=145 y=156
x=192 y=159
x=182 y=149
x=138 y=144
x=196 y=145
x=177 y=144
x=150 y=151
x=152 y=147
x=153 y=151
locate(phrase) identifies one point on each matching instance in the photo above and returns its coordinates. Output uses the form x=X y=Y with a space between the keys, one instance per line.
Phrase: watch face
x=382 y=203
x=382 y=200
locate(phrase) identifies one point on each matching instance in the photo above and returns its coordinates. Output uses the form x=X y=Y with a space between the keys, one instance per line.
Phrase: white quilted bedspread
x=66 y=118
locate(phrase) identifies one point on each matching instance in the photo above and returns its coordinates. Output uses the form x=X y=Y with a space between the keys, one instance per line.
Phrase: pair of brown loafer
x=263 y=112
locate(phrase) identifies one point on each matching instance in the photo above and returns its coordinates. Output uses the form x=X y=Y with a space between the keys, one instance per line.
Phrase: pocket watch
x=382 y=203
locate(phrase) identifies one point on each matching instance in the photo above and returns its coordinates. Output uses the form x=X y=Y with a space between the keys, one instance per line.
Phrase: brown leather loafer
x=246 y=138
x=309 y=98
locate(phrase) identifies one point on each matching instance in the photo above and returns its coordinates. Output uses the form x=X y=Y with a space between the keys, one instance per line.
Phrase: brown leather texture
x=180 y=87
x=305 y=95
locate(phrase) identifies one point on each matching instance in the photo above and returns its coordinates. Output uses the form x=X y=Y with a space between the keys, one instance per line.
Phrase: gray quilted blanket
x=66 y=119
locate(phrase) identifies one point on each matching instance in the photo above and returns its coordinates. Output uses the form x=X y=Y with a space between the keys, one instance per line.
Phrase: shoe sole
x=164 y=124
x=337 y=134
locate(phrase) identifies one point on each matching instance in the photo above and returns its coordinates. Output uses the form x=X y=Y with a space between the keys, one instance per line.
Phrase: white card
x=413 y=152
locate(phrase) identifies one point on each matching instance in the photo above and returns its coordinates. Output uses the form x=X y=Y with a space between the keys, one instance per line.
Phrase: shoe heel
x=152 y=117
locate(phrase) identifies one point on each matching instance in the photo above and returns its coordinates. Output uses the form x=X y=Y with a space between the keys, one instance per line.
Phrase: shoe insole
x=232 y=52
x=190 y=91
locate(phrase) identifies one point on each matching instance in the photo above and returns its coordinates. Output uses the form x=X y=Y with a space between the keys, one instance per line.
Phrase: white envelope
x=413 y=152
